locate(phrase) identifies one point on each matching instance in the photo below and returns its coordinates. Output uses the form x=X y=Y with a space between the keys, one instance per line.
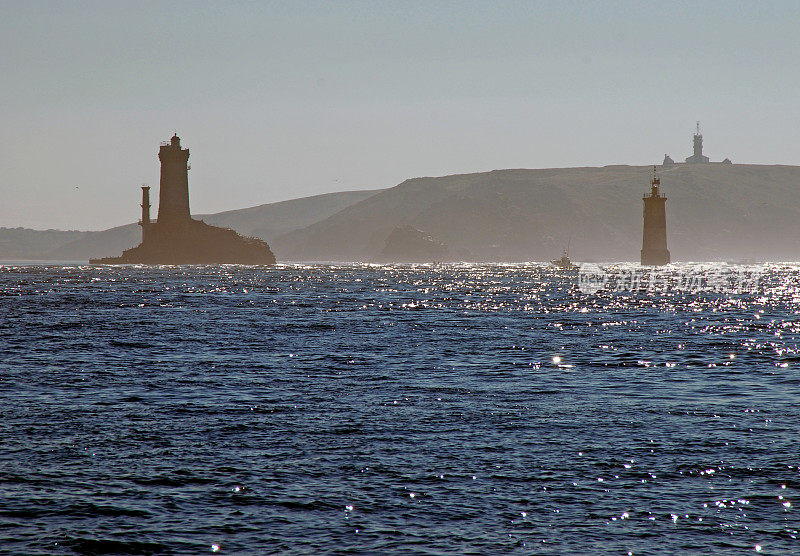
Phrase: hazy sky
x=277 y=100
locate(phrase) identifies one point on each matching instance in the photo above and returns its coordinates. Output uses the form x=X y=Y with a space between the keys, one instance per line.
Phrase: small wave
x=129 y=344
x=313 y=505
x=109 y=546
x=93 y=510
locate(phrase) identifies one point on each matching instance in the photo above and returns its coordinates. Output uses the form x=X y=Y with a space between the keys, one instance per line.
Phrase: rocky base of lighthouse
x=193 y=242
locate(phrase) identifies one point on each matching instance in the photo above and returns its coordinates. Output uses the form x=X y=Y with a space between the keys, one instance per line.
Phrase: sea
x=399 y=409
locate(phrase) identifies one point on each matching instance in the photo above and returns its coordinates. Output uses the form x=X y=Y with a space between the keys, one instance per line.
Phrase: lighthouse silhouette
x=173 y=200
x=175 y=237
x=654 y=236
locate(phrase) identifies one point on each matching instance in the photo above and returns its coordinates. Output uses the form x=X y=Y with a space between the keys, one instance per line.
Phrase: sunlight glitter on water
x=328 y=387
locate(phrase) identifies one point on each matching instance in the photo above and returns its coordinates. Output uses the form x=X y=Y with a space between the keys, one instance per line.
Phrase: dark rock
x=408 y=244
x=194 y=242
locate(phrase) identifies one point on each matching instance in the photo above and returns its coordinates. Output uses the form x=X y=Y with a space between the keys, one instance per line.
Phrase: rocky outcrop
x=407 y=244
x=194 y=242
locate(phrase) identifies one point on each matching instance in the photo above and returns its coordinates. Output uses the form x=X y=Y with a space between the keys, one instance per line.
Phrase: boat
x=564 y=262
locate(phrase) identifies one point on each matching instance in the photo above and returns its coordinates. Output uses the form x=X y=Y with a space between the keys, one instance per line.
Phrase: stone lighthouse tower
x=173 y=197
x=654 y=237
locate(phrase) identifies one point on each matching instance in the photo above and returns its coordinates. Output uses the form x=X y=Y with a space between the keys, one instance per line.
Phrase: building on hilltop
x=175 y=237
x=654 y=235
x=697 y=157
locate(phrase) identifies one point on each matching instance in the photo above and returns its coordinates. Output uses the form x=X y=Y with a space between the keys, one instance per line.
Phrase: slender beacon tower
x=654 y=237
x=145 y=222
x=173 y=197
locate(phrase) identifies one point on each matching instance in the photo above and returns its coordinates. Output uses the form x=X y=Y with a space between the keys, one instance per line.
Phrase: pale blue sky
x=278 y=100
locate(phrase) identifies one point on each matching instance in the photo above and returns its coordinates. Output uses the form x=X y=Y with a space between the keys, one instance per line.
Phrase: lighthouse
x=173 y=196
x=174 y=237
x=654 y=236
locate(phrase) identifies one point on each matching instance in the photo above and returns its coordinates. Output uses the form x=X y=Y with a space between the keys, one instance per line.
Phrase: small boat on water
x=564 y=262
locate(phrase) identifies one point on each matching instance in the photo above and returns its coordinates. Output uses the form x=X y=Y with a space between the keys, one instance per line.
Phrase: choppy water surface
x=368 y=409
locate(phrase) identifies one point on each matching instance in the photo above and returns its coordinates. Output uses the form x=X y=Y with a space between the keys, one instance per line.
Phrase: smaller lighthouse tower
x=654 y=237
x=145 y=221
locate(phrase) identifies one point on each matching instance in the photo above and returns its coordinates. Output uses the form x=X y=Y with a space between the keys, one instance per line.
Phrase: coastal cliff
x=717 y=212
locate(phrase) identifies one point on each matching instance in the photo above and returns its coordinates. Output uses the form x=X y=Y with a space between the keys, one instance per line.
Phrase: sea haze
x=448 y=409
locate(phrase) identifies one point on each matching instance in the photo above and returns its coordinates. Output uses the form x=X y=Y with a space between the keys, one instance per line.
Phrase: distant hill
x=714 y=212
x=106 y=243
x=22 y=243
x=271 y=220
x=264 y=221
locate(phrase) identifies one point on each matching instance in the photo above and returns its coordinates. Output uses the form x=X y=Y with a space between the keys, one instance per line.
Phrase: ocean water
x=396 y=409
